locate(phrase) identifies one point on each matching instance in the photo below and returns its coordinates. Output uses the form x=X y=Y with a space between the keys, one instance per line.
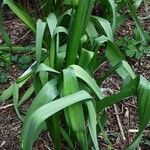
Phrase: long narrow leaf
x=40 y=115
x=105 y=25
x=115 y=56
x=92 y=122
x=143 y=92
x=82 y=74
x=39 y=38
x=77 y=124
x=24 y=16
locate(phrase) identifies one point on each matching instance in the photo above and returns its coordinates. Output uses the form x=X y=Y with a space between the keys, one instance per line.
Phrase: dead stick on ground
x=119 y=123
x=7 y=106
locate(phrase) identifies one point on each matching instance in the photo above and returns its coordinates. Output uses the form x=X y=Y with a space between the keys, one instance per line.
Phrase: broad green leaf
x=24 y=16
x=37 y=83
x=89 y=9
x=95 y=62
x=113 y=6
x=77 y=124
x=85 y=56
x=60 y=29
x=67 y=2
x=92 y=122
x=82 y=74
x=101 y=39
x=76 y=31
x=91 y=31
x=60 y=59
x=32 y=124
x=115 y=56
x=68 y=13
x=7 y=93
x=143 y=98
x=39 y=39
x=105 y=25
x=46 y=95
x=52 y=23
x=42 y=67
x=43 y=77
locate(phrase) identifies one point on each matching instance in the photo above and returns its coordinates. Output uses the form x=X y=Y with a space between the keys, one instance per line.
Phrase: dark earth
x=126 y=111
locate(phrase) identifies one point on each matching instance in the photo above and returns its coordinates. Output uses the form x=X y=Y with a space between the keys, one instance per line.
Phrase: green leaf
x=92 y=123
x=91 y=31
x=26 y=74
x=113 y=6
x=85 y=56
x=101 y=39
x=143 y=96
x=24 y=16
x=42 y=67
x=60 y=29
x=115 y=56
x=46 y=95
x=77 y=124
x=52 y=23
x=7 y=93
x=39 y=39
x=82 y=74
x=76 y=31
x=40 y=115
x=105 y=25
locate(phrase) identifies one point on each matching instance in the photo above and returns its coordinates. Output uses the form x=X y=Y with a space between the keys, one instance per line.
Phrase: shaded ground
x=10 y=125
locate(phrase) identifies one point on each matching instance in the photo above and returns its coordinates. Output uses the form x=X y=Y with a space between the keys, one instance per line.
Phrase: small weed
x=132 y=47
x=3 y=77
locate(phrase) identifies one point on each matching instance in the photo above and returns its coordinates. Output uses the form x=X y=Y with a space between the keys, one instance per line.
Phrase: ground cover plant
x=68 y=102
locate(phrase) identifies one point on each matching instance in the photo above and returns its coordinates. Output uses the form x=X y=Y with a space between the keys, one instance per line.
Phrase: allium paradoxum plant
x=68 y=101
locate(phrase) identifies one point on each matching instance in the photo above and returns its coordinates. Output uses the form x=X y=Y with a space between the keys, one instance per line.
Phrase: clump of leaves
x=134 y=46
x=68 y=99
x=3 y=77
x=131 y=47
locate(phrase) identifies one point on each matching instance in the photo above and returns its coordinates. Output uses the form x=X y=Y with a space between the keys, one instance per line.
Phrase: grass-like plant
x=67 y=99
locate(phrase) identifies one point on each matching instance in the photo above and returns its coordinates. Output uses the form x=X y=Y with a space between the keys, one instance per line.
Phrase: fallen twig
x=119 y=123
x=6 y=106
